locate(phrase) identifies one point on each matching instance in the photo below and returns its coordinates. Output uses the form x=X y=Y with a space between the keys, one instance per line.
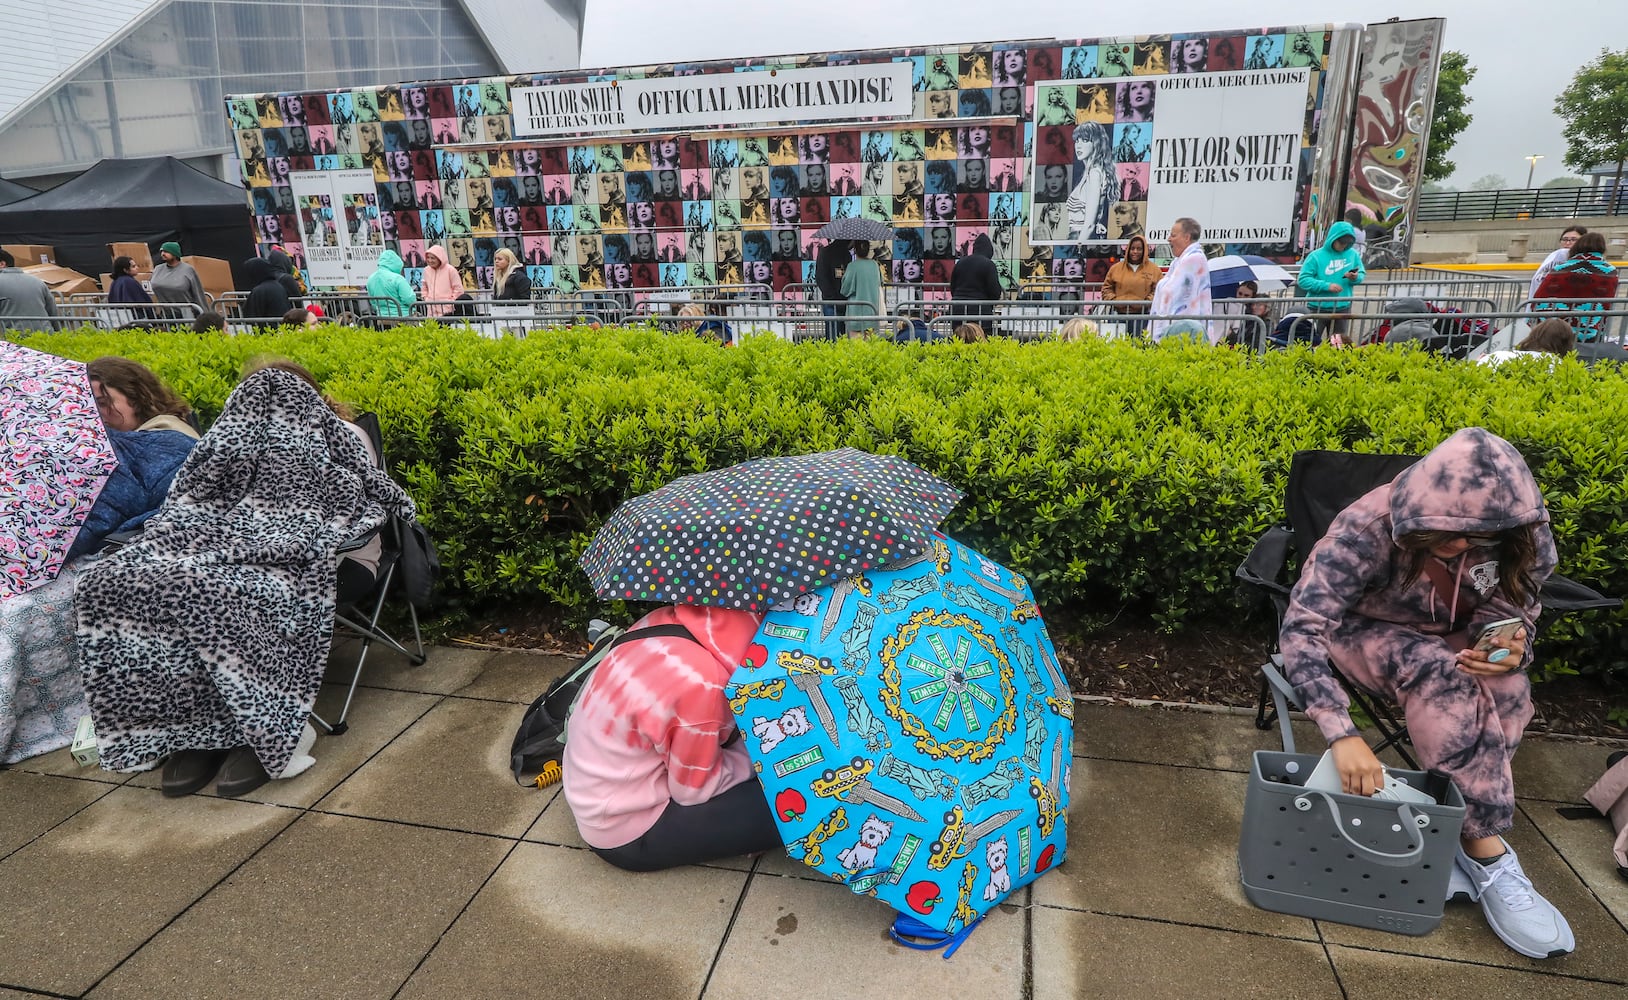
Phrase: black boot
x=189 y=770
x=241 y=774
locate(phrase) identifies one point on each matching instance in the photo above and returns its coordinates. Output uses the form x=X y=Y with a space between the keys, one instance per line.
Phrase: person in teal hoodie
x=392 y=294
x=1328 y=274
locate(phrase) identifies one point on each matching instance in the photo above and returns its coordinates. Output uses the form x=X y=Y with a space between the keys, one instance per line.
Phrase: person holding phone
x=1397 y=595
x=1327 y=276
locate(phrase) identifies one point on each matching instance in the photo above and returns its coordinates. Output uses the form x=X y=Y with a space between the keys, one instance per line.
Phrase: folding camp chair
x=358 y=611
x=1321 y=485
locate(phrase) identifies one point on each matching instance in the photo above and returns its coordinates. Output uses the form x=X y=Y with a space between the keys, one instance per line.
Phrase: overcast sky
x=1526 y=51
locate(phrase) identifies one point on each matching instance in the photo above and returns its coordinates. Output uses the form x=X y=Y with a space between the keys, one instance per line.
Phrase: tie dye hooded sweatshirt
x=651 y=725
x=1475 y=483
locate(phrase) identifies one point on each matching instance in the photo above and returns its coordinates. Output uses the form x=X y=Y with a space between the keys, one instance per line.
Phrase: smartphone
x=1495 y=633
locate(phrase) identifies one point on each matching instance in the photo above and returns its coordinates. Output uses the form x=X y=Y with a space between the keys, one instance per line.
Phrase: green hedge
x=1116 y=477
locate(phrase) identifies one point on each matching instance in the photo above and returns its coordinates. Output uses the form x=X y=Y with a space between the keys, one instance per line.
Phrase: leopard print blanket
x=211 y=630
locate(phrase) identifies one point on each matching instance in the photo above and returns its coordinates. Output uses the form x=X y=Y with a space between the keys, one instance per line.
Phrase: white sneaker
x=1519 y=916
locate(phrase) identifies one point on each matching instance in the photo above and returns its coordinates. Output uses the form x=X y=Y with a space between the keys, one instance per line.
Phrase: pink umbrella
x=55 y=457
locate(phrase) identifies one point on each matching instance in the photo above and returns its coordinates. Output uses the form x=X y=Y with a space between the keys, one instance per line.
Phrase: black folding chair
x=1321 y=485
x=359 y=609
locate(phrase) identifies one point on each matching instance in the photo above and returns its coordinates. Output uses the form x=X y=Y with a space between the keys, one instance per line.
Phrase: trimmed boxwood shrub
x=1116 y=477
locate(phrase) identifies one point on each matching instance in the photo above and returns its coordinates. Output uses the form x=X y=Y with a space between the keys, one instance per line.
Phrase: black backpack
x=539 y=745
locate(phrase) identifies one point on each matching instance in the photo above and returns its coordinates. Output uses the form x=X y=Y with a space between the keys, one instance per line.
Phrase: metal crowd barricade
x=1612 y=326
x=1365 y=309
x=1504 y=328
x=1060 y=290
x=358 y=304
x=97 y=311
x=1503 y=293
x=778 y=323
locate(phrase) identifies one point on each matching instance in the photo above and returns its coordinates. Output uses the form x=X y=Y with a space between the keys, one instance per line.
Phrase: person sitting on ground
x=912 y=328
x=1076 y=330
x=1327 y=276
x=249 y=536
x=267 y=297
x=1247 y=302
x=970 y=333
x=209 y=322
x=1393 y=596
x=301 y=316
x=41 y=694
x=655 y=770
x=1552 y=338
x=1584 y=275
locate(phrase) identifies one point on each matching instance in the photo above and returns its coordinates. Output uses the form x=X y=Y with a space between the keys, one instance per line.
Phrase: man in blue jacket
x=1327 y=276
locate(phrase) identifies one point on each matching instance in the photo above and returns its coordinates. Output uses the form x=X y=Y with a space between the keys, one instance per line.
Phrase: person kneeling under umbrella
x=655 y=771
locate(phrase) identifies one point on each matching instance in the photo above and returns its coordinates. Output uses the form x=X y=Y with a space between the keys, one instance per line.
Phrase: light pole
x=1532 y=166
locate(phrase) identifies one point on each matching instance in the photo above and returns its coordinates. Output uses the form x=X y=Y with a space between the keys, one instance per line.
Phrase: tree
x=1565 y=182
x=1489 y=182
x=1595 y=110
x=1431 y=187
x=1448 y=117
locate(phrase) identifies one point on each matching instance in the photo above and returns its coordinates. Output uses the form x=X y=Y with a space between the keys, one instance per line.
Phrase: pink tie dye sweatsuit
x=652 y=724
x=1353 y=605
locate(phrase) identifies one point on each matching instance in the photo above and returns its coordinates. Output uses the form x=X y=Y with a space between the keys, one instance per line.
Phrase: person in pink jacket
x=654 y=769
x=442 y=283
x=1395 y=594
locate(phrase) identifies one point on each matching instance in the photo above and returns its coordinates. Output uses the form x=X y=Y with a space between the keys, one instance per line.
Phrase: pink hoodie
x=1473 y=483
x=651 y=726
x=441 y=284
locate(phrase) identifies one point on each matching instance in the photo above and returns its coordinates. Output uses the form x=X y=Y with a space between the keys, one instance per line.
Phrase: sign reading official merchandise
x=877 y=90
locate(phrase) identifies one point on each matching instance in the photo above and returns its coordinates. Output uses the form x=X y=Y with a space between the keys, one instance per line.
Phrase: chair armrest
x=1565 y=595
x=362 y=540
x=1264 y=565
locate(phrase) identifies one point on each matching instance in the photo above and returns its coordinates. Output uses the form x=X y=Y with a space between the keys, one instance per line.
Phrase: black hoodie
x=284 y=266
x=267 y=297
x=975 y=276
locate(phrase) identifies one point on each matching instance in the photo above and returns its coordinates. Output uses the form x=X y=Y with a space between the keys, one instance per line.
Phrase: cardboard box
x=214 y=273
x=62 y=280
x=29 y=254
x=137 y=252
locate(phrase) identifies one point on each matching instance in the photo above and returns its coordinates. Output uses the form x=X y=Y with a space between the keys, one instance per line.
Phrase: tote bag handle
x=1409 y=820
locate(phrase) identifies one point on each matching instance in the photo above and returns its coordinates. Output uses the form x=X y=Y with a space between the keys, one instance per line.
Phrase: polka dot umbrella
x=757 y=533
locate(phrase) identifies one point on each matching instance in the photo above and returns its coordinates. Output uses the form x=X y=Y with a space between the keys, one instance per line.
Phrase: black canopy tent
x=148 y=200
x=11 y=191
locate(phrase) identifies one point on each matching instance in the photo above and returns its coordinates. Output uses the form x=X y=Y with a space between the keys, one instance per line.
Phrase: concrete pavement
x=407 y=863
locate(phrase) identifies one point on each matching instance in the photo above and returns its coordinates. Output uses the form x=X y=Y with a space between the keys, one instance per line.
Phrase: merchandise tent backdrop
x=148 y=200
x=11 y=191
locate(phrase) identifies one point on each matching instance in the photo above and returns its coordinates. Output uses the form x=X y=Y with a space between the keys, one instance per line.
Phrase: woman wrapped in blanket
x=1394 y=595
x=203 y=642
x=41 y=696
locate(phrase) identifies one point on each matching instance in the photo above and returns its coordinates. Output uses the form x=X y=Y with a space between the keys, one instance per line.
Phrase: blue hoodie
x=387 y=284
x=1322 y=274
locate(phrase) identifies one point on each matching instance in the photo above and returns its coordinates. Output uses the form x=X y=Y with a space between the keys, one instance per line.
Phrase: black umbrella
x=868 y=230
x=757 y=533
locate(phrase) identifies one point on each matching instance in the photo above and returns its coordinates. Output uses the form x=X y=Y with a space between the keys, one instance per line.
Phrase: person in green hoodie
x=1328 y=274
x=392 y=294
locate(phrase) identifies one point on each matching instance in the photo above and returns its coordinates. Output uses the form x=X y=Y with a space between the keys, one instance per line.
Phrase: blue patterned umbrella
x=913 y=731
